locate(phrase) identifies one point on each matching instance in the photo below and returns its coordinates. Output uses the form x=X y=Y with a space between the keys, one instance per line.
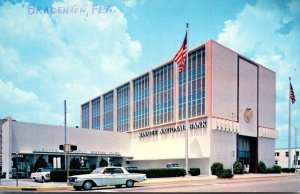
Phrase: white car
x=42 y=174
x=105 y=176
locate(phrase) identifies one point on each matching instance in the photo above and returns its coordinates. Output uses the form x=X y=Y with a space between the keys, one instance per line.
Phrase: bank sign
x=173 y=129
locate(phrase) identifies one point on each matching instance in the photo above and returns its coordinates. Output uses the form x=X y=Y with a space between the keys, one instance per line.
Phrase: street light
x=232 y=137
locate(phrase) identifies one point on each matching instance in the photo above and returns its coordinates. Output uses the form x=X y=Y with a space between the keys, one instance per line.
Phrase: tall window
x=123 y=108
x=141 y=102
x=96 y=113
x=85 y=115
x=163 y=103
x=108 y=111
x=196 y=85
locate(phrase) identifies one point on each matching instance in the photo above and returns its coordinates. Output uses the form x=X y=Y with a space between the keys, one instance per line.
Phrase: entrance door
x=247 y=152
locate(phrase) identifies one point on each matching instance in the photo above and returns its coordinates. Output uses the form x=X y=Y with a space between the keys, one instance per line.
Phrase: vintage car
x=105 y=176
x=42 y=174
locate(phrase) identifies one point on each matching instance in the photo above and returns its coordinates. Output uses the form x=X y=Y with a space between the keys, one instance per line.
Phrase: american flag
x=292 y=95
x=181 y=55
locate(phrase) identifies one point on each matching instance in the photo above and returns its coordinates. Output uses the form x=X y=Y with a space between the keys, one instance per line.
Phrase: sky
x=83 y=48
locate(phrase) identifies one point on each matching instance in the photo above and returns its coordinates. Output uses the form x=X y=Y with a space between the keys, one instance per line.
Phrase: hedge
x=160 y=172
x=194 y=171
x=288 y=170
x=61 y=175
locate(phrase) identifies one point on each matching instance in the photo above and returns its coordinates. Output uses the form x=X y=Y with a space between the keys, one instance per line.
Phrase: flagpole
x=289 y=140
x=186 y=103
x=295 y=155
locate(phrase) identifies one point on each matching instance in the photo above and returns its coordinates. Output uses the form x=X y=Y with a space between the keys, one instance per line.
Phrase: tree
x=103 y=163
x=40 y=163
x=75 y=163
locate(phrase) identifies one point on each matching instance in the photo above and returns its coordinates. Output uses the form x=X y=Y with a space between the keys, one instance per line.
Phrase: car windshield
x=98 y=171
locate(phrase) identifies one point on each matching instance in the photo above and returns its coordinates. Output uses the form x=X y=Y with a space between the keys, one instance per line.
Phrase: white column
x=151 y=99
x=7 y=128
x=115 y=115
x=101 y=112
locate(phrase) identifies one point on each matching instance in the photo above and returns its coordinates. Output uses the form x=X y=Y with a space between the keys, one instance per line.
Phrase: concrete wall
x=248 y=77
x=266 y=147
x=224 y=81
x=202 y=163
x=221 y=147
x=170 y=146
x=267 y=98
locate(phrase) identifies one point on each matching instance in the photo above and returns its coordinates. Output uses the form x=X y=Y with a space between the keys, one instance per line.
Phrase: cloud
x=268 y=32
x=52 y=56
x=130 y=3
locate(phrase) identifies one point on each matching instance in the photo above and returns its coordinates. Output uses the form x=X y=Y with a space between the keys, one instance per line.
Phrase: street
x=276 y=184
x=266 y=184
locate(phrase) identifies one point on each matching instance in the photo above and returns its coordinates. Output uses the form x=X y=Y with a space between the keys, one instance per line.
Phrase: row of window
x=163 y=94
x=286 y=154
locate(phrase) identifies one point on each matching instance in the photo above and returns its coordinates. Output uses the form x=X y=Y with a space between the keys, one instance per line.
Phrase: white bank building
x=142 y=122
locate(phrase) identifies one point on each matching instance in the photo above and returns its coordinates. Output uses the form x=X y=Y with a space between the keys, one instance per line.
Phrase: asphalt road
x=274 y=184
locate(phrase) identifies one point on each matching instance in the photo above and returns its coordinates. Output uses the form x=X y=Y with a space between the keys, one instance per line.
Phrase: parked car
x=172 y=165
x=131 y=168
x=105 y=176
x=42 y=174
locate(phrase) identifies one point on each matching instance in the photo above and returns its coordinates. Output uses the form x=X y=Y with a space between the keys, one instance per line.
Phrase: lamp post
x=232 y=137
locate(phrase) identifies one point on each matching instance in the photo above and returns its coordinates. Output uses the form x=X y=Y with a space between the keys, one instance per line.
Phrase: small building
x=282 y=158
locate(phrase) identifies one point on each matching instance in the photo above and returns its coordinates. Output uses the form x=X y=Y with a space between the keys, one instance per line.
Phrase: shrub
x=216 y=168
x=225 y=173
x=40 y=163
x=277 y=169
x=61 y=175
x=262 y=167
x=160 y=172
x=288 y=170
x=194 y=171
x=270 y=170
x=238 y=168
x=75 y=163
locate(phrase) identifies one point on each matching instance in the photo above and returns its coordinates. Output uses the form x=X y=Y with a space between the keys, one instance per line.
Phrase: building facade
x=282 y=157
x=230 y=116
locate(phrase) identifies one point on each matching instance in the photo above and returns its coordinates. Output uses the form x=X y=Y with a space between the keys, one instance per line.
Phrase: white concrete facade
x=232 y=83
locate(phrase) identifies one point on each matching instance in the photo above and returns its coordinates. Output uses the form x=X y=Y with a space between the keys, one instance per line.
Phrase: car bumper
x=75 y=183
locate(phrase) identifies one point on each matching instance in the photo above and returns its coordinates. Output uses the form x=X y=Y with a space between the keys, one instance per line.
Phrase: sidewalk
x=29 y=184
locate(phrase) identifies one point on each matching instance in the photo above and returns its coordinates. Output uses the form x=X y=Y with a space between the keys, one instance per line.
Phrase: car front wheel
x=87 y=185
x=130 y=183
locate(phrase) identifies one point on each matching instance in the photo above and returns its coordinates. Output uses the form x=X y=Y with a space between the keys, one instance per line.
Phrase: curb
x=24 y=188
x=215 y=178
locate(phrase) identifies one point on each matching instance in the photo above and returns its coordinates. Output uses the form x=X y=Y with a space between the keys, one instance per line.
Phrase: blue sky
x=46 y=58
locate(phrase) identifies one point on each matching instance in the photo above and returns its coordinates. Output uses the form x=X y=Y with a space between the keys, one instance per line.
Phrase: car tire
x=43 y=180
x=35 y=180
x=129 y=183
x=87 y=185
x=118 y=186
x=77 y=188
